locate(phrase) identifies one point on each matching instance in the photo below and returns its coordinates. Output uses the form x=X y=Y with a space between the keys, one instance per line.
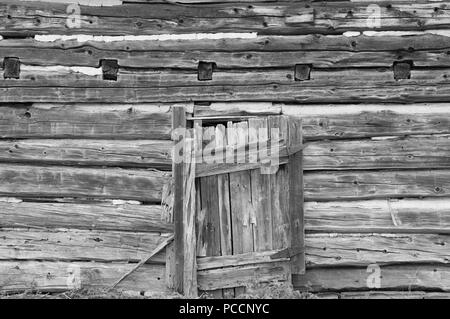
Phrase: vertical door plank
x=210 y=227
x=178 y=121
x=190 y=253
x=261 y=192
x=223 y=181
x=295 y=168
x=279 y=184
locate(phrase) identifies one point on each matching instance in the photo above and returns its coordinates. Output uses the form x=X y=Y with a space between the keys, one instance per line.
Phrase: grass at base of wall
x=266 y=291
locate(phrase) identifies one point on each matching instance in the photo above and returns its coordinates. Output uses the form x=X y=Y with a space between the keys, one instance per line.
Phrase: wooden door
x=248 y=203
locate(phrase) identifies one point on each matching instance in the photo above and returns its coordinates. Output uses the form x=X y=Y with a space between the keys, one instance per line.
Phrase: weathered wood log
x=265 y=18
x=429 y=215
x=17 y=276
x=88 y=55
x=408 y=277
x=138 y=153
x=418 y=91
x=88 y=50
x=242 y=276
x=236 y=109
x=65 y=77
x=384 y=295
x=57 y=181
x=351 y=121
x=376 y=184
x=81 y=245
x=339 y=250
x=95 y=216
x=78 y=78
x=408 y=152
x=124 y=121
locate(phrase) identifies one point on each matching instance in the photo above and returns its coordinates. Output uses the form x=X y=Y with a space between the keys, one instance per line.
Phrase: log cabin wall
x=85 y=127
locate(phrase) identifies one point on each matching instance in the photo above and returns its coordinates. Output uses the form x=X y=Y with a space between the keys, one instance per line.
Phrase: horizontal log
x=58 y=181
x=429 y=215
x=385 y=295
x=265 y=18
x=18 y=276
x=236 y=109
x=138 y=153
x=408 y=152
x=375 y=184
x=88 y=216
x=94 y=47
x=79 y=245
x=339 y=250
x=430 y=40
x=242 y=275
x=369 y=120
x=292 y=92
x=63 y=77
x=408 y=277
x=124 y=121
x=339 y=52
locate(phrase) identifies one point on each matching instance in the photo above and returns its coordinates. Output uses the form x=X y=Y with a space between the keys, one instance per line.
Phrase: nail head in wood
x=205 y=70
x=302 y=72
x=402 y=70
x=11 y=68
x=109 y=69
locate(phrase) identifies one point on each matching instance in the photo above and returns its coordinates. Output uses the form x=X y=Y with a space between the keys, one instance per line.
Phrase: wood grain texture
x=265 y=18
x=381 y=92
x=137 y=153
x=235 y=78
x=87 y=216
x=339 y=53
x=279 y=188
x=428 y=215
x=402 y=152
x=209 y=226
x=339 y=250
x=261 y=193
x=408 y=277
x=295 y=181
x=242 y=276
x=224 y=109
x=85 y=121
x=205 y=263
x=58 y=181
x=370 y=120
x=375 y=184
x=240 y=196
x=84 y=52
x=80 y=245
x=17 y=276
x=178 y=122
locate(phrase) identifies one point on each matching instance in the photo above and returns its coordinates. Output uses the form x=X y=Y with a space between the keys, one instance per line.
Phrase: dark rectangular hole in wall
x=11 y=68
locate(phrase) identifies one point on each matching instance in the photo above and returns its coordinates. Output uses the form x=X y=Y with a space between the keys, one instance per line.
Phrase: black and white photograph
x=185 y=152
